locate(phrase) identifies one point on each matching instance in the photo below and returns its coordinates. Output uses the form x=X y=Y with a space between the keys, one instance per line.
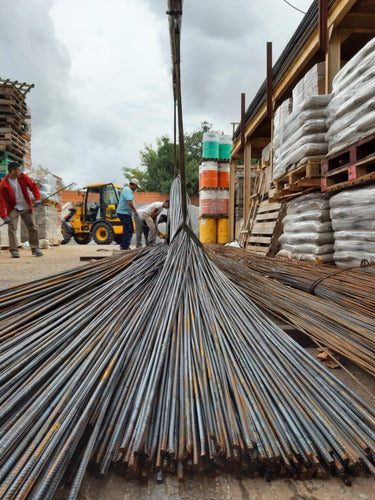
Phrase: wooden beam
x=359 y=21
x=231 y=212
x=339 y=10
x=246 y=181
x=333 y=59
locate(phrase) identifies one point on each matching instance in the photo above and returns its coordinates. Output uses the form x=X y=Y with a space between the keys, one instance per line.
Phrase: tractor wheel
x=102 y=233
x=66 y=238
x=82 y=238
x=66 y=234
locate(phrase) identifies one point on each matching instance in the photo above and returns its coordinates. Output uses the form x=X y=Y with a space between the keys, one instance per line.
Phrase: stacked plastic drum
x=214 y=188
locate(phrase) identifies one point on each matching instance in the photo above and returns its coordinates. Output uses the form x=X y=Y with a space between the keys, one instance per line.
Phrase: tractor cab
x=100 y=202
x=96 y=216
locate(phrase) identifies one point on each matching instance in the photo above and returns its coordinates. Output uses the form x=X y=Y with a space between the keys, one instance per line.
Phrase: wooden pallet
x=261 y=187
x=358 y=152
x=266 y=228
x=12 y=147
x=305 y=177
x=359 y=172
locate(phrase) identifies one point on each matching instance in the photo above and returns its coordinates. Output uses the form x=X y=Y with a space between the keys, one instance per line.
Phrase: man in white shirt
x=148 y=215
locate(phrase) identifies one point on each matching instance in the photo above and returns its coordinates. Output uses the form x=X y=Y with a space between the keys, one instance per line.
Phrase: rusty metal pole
x=323 y=25
x=242 y=120
x=269 y=79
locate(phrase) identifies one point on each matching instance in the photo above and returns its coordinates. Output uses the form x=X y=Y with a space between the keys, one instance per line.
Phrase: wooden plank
x=92 y=257
x=258 y=250
x=266 y=240
x=263 y=228
x=277 y=232
x=343 y=185
x=247 y=181
x=268 y=216
x=266 y=206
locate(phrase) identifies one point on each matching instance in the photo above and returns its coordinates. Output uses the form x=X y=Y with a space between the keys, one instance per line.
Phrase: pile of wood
x=14 y=129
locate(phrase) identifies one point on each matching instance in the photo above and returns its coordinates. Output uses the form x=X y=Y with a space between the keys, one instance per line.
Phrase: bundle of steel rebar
x=351 y=288
x=165 y=365
x=349 y=333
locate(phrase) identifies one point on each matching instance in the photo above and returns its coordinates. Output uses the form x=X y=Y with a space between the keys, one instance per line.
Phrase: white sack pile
x=351 y=111
x=300 y=125
x=307 y=231
x=353 y=221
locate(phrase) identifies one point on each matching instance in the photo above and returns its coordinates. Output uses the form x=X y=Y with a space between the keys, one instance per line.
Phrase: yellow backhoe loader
x=95 y=218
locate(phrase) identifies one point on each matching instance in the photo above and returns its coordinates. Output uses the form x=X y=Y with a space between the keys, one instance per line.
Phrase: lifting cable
x=175 y=14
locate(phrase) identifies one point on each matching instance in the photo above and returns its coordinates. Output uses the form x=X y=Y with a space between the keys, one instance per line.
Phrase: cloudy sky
x=102 y=73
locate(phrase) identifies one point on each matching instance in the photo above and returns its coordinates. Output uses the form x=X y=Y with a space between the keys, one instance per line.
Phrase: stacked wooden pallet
x=13 y=117
x=303 y=179
x=351 y=166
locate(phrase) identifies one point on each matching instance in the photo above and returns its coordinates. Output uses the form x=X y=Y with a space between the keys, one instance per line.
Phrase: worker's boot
x=37 y=252
x=15 y=254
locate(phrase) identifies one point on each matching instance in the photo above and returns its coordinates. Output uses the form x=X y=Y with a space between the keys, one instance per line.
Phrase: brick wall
x=146 y=198
x=139 y=197
x=71 y=196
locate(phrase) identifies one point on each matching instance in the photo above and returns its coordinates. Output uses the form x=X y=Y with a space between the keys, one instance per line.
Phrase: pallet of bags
x=351 y=110
x=353 y=221
x=300 y=126
x=351 y=123
x=307 y=230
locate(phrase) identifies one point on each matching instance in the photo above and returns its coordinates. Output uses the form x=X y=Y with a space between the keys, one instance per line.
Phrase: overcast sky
x=102 y=73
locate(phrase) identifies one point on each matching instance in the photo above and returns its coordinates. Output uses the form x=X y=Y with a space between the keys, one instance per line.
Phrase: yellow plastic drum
x=207 y=230
x=222 y=231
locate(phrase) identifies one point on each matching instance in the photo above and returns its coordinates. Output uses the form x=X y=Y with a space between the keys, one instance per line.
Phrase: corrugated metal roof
x=304 y=31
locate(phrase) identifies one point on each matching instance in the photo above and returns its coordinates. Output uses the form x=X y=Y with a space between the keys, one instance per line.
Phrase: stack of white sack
x=307 y=230
x=300 y=134
x=48 y=221
x=47 y=216
x=47 y=184
x=353 y=221
x=351 y=111
x=280 y=122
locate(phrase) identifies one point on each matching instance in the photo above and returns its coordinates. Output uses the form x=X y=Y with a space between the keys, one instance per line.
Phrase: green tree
x=159 y=165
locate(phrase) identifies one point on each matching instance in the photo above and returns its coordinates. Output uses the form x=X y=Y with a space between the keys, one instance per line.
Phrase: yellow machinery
x=96 y=216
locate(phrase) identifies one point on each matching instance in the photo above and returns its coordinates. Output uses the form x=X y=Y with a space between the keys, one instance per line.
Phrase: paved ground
x=222 y=487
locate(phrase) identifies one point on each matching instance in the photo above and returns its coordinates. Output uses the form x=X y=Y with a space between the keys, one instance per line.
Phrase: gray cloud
x=103 y=79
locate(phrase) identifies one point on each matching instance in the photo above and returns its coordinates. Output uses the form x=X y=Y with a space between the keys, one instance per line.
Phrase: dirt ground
x=222 y=487
x=54 y=261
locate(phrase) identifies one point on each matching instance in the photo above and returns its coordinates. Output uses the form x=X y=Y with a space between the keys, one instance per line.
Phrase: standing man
x=148 y=216
x=14 y=189
x=125 y=210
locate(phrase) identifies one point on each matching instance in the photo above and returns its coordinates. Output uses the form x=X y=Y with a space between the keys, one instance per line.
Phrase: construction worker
x=125 y=209
x=14 y=190
x=142 y=228
x=148 y=216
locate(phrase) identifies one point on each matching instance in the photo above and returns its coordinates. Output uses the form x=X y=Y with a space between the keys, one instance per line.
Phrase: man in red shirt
x=14 y=190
